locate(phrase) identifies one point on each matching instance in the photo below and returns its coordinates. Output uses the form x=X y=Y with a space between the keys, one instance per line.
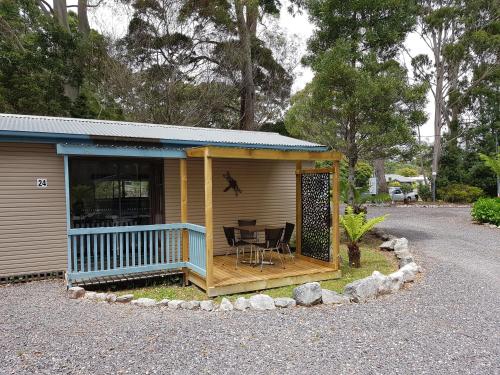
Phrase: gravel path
x=447 y=323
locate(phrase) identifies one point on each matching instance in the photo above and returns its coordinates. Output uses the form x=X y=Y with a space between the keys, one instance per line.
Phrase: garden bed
x=372 y=259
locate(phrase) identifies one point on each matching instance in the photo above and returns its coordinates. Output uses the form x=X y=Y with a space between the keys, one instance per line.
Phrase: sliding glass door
x=115 y=192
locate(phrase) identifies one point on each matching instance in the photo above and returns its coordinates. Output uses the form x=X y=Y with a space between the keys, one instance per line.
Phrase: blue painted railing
x=197 y=254
x=109 y=251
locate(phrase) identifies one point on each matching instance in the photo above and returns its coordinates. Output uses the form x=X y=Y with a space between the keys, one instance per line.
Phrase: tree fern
x=356 y=225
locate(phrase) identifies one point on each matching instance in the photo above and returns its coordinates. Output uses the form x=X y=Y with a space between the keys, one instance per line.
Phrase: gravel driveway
x=447 y=323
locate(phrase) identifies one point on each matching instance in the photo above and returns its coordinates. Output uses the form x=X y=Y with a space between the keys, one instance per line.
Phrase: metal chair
x=233 y=243
x=251 y=237
x=273 y=240
x=245 y=235
x=285 y=241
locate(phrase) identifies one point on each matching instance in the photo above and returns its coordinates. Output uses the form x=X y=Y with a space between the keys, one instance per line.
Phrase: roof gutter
x=38 y=137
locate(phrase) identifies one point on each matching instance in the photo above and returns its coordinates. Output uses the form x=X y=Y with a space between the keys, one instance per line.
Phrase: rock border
x=308 y=294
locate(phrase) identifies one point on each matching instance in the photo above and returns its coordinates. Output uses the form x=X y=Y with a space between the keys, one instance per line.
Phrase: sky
x=111 y=19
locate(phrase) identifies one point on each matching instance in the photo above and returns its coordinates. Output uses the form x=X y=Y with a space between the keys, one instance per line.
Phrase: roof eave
x=16 y=136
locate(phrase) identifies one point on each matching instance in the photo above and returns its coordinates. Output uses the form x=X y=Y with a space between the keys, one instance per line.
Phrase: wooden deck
x=246 y=278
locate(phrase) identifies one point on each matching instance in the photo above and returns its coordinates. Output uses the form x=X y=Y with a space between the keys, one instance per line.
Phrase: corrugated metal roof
x=41 y=125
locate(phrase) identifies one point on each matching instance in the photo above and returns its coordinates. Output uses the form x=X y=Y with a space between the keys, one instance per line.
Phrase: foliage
x=463 y=71
x=463 y=164
x=424 y=192
x=487 y=210
x=363 y=172
x=359 y=101
x=460 y=193
x=407 y=172
x=211 y=50
x=394 y=183
x=407 y=188
x=492 y=162
x=39 y=60
x=356 y=225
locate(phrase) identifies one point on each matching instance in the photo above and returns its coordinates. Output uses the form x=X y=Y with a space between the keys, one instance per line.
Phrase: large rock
x=76 y=292
x=261 y=302
x=175 y=304
x=401 y=244
x=388 y=245
x=90 y=295
x=406 y=260
x=410 y=271
x=125 y=298
x=284 y=302
x=329 y=297
x=207 y=305
x=226 y=305
x=241 y=304
x=163 y=302
x=190 y=305
x=144 y=302
x=388 y=284
x=363 y=289
x=394 y=282
x=307 y=294
x=110 y=297
x=101 y=296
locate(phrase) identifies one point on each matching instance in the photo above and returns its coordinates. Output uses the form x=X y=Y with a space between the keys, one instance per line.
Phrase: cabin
x=96 y=201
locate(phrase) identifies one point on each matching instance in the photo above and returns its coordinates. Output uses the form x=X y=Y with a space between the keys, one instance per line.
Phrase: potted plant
x=356 y=226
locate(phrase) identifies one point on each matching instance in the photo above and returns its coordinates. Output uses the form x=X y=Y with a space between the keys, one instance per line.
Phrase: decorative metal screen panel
x=316 y=218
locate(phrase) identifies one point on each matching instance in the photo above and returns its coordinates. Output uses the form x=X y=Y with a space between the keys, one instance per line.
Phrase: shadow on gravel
x=410 y=234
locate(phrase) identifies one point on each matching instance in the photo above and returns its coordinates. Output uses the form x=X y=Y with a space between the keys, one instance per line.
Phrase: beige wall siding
x=268 y=193
x=32 y=220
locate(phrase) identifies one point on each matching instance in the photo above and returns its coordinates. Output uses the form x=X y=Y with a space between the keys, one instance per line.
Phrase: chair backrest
x=230 y=236
x=244 y=234
x=245 y=222
x=287 y=236
x=273 y=237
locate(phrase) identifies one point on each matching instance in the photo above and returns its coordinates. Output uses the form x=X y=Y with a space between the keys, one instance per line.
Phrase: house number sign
x=41 y=183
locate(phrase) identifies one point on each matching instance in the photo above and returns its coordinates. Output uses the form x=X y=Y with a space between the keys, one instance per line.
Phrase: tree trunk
x=61 y=13
x=438 y=120
x=421 y=157
x=354 y=255
x=437 y=40
x=453 y=93
x=351 y=182
x=247 y=101
x=83 y=20
x=378 y=166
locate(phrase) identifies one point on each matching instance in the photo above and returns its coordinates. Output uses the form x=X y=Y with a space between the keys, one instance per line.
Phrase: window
x=110 y=192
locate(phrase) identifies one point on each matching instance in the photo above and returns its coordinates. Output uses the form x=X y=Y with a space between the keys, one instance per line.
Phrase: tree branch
x=88 y=5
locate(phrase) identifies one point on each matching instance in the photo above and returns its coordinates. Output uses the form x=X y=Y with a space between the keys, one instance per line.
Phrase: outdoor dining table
x=255 y=229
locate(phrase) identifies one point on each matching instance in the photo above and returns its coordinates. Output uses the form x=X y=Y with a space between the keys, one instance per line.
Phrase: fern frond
x=356 y=226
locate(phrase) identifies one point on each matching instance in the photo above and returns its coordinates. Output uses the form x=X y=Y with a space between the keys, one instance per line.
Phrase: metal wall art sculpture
x=232 y=184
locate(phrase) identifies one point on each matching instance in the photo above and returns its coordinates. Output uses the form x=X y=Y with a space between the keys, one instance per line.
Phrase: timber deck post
x=184 y=216
x=336 y=214
x=298 y=207
x=209 y=243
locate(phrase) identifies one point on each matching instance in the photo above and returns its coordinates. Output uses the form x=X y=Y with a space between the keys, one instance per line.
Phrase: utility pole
x=498 y=151
x=434 y=186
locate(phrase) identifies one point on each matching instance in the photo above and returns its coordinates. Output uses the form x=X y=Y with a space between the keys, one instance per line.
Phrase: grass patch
x=371 y=259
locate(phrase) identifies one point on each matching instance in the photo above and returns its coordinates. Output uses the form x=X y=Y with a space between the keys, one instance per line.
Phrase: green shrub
x=407 y=172
x=394 y=184
x=487 y=210
x=460 y=193
x=424 y=192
